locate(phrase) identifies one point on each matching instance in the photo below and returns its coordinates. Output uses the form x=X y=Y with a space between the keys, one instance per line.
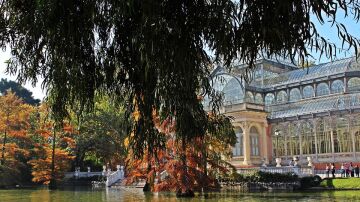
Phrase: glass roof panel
x=325 y=104
x=297 y=75
x=230 y=87
x=233 y=91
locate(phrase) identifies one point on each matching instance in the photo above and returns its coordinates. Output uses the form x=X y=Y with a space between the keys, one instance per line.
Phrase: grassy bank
x=341 y=183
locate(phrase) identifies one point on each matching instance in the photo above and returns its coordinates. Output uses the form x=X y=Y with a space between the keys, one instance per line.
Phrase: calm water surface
x=127 y=194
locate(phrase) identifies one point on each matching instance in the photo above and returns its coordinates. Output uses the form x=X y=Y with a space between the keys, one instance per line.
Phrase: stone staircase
x=115 y=177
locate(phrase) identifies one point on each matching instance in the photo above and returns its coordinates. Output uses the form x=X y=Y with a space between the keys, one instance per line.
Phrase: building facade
x=284 y=111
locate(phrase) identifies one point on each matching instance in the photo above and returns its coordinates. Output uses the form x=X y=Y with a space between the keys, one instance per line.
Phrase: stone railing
x=77 y=174
x=300 y=171
x=257 y=186
x=247 y=171
x=114 y=177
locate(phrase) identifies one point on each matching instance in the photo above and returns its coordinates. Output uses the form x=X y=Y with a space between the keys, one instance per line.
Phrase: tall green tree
x=152 y=53
x=101 y=134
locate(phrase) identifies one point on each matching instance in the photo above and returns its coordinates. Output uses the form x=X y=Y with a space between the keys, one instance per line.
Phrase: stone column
x=264 y=144
x=286 y=152
x=263 y=98
x=298 y=126
x=262 y=75
x=332 y=138
x=246 y=143
x=315 y=135
x=286 y=135
x=345 y=85
x=288 y=94
x=289 y=136
x=352 y=133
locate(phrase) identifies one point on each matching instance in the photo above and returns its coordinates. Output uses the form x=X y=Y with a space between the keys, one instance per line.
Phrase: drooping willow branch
x=155 y=52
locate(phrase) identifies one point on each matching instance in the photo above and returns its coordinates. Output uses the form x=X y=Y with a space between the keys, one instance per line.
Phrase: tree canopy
x=101 y=134
x=20 y=91
x=153 y=53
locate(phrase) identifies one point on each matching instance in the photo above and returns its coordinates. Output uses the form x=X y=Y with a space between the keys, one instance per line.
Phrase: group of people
x=346 y=170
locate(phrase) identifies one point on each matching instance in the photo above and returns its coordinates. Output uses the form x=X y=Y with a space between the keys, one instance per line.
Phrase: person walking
x=327 y=168
x=342 y=170
x=356 y=169
x=333 y=170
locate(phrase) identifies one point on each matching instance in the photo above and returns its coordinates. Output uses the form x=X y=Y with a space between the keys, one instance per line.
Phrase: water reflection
x=83 y=194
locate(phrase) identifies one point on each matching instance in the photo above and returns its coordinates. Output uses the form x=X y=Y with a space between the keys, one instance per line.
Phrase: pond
x=131 y=194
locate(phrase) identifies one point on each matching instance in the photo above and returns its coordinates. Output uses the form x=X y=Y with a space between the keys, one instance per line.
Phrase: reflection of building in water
x=285 y=111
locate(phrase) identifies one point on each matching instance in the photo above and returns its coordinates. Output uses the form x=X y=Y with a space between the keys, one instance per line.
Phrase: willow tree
x=155 y=54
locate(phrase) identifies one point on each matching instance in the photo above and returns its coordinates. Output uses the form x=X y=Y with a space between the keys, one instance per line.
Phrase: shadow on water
x=86 y=194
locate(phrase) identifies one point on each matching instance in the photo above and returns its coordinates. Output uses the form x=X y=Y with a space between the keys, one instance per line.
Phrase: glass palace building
x=284 y=111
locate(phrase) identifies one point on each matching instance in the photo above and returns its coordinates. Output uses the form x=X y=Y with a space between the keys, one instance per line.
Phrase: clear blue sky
x=330 y=33
x=326 y=30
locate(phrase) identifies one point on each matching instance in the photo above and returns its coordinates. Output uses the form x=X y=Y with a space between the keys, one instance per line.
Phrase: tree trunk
x=52 y=184
x=204 y=164
x=3 y=149
x=187 y=192
x=4 y=141
x=183 y=159
x=148 y=183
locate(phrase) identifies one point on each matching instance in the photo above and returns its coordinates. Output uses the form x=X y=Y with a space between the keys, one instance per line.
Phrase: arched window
x=357 y=141
x=238 y=148
x=322 y=89
x=354 y=84
x=281 y=97
x=249 y=97
x=308 y=138
x=258 y=98
x=233 y=91
x=294 y=133
x=269 y=99
x=354 y=65
x=337 y=86
x=254 y=141
x=336 y=142
x=308 y=92
x=323 y=134
x=278 y=143
x=295 y=95
x=355 y=100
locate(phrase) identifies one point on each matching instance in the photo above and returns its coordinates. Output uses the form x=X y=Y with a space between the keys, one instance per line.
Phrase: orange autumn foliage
x=165 y=169
x=169 y=171
x=12 y=151
x=42 y=148
x=27 y=131
x=41 y=167
x=14 y=126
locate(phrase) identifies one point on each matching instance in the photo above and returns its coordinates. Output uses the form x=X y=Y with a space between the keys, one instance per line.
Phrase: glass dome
x=230 y=87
